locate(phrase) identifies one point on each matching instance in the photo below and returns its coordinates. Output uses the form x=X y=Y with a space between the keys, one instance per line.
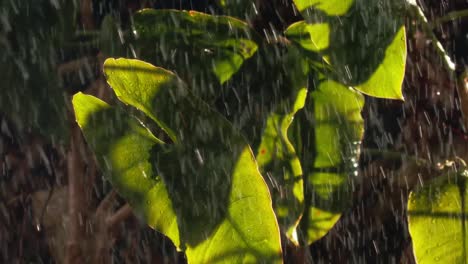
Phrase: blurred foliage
x=32 y=34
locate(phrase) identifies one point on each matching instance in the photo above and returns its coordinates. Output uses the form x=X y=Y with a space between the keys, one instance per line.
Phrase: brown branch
x=77 y=196
x=106 y=203
x=74 y=65
x=121 y=215
x=86 y=10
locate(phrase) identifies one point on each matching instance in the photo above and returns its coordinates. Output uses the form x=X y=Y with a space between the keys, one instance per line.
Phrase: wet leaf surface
x=203 y=49
x=342 y=33
x=328 y=139
x=209 y=196
x=437 y=218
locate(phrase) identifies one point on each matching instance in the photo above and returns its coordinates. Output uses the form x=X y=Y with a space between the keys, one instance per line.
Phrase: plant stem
x=416 y=13
x=450 y=17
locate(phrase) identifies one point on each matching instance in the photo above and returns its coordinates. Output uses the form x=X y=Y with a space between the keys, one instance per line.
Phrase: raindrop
x=209 y=51
x=348 y=72
x=121 y=35
x=256 y=11
x=55 y=3
x=199 y=157
x=133 y=51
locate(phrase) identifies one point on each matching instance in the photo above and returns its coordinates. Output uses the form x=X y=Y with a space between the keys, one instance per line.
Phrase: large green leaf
x=343 y=33
x=334 y=128
x=203 y=49
x=218 y=205
x=437 y=221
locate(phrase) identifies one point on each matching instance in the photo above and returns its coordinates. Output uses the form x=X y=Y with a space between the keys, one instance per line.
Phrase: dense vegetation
x=239 y=132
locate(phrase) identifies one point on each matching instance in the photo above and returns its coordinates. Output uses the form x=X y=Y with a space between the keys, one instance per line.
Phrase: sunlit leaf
x=313 y=37
x=196 y=45
x=277 y=158
x=218 y=206
x=276 y=155
x=330 y=159
x=329 y=7
x=345 y=42
x=123 y=148
x=387 y=80
x=437 y=221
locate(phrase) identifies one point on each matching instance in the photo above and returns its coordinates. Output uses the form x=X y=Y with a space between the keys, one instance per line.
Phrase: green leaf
x=387 y=79
x=437 y=221
x=276 y=155
x=329 y=7
x=277 y=158
x=123 y=147
x=218 y=205
x=140 y=90
x=344 y=43
x=313 y=37
x=199 y=46
x=336 y=132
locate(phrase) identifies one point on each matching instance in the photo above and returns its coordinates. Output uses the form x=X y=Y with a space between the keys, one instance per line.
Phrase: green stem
x=395 y=155
x=450 y=17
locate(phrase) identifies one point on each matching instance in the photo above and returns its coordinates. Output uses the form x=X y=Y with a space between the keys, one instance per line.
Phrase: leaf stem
x=450 y=17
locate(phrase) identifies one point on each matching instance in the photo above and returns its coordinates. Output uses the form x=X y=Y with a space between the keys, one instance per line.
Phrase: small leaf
x=329 y=7
x=387 y=79
x=313 y=37
x=437 y=218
